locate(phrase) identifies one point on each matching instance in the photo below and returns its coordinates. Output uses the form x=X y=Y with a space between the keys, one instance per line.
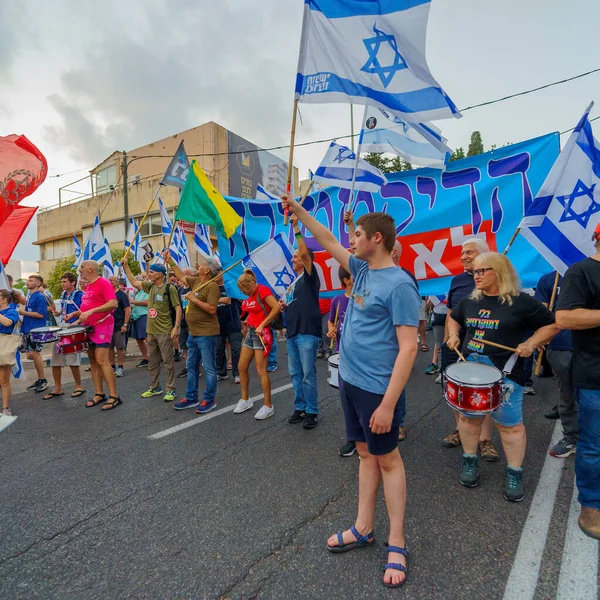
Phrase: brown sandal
x=112 y=402
x=93 y=402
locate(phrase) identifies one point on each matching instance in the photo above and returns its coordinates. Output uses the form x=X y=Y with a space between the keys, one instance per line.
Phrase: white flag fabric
x=263 y=194
x=566 y=211
x=78 y=251
x=4 y=285
x=108 y=269
x=337 y=168
x=372 y=53
x=202 y=241
x=165 y=222
x=420 y=144
x=179 y=249
x=95 y=248
x=272 y=264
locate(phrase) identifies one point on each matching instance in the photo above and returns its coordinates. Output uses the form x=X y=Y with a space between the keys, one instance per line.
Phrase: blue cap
x=158 y=269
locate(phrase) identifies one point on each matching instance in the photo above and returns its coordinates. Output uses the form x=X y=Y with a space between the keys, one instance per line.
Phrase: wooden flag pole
x=290 y=174
x=352 y=202
x=143 y=219
x=306 y=193
x=538 y=364
x=512 y=240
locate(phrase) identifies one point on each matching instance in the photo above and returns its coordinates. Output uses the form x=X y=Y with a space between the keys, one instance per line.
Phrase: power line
x=572 y=128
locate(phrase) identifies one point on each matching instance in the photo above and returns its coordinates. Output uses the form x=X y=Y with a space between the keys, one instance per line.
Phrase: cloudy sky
x=81 y=80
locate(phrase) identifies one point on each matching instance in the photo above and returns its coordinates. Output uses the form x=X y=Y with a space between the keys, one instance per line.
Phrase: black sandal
x=112 y=402
x=93 y=402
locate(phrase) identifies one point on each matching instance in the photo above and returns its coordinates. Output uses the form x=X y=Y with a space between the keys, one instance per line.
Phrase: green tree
x=458 y=154
x=65 y=265
x=475 y=145
x=21 y=284
x=379 y=161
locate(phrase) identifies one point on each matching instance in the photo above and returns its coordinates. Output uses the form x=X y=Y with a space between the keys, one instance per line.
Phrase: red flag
x=23 y=168
x=267 y=339
x=12 y=229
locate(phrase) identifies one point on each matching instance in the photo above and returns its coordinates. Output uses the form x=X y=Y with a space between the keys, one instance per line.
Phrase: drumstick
x=337 y=313
x=502 y=347
x=460 y=355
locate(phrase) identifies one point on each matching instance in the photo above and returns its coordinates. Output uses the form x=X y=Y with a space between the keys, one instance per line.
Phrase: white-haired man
x=460 y=287
x=579 y=310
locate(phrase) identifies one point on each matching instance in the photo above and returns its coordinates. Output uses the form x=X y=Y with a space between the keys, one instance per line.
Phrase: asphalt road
x=125 y=505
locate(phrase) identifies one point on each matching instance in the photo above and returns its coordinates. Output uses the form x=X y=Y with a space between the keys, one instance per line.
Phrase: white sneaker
x=264 y=413
x=243 y=406
x=438 y=379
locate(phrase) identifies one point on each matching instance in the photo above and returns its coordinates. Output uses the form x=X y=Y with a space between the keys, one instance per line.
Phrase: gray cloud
x=146 y=72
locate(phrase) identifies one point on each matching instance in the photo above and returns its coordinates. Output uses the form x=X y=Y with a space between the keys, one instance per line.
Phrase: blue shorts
x=31 y=346
x=137 y=328
x=359 y=406
x=510 y=413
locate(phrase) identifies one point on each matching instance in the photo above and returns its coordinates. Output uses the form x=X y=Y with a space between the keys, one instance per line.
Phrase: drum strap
x=510 y=363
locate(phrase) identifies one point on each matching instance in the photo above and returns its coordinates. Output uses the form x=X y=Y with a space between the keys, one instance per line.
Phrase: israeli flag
x=337 y=168
x=561 y=220
x=166 y=224
x=372 y=53
x=131 y=239
x=272 y=264
x=418 y=143
x=17 y=368
x=108 y=270
x=178 y=169
x=202 y=241
x=263 y=194
x=78 y=252
x=4 y=285
x=179 y=250
x=95 y=248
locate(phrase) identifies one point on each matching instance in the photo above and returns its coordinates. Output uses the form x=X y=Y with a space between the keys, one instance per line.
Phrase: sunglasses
x=481 y=272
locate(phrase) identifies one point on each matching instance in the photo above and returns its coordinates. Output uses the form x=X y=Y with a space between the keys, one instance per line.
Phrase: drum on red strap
x=72 y=340
x=473 y=387
x=44 y=335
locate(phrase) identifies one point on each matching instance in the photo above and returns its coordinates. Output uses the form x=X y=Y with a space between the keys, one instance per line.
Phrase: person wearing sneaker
x=378 y=351
x=579 y=310
x=300 y=305
x=560 y=356
x=121 y=315
x=35 y=315
x=70 y=303
x=184 y=331
x=9 y=319
x=254 y=310
x=97 y=305
x=203 y=324
x=230 y=328
x=460 y=287
x=138 y=322
x=440 y=310
x=164 y=318
x=497 y=311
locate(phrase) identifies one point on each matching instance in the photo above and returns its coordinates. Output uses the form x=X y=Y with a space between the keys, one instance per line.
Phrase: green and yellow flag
x=201 y=203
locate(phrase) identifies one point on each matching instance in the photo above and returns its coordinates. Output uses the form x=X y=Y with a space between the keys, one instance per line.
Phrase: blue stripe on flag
x=336 y=9
x=557 y=243
x=345 y=174
x=430 y=98
x=284 y=247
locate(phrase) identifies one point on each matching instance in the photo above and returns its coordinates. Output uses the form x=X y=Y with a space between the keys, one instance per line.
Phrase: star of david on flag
x=272 y=264
x=78 y=251
x=566 y=211
x=372 y=53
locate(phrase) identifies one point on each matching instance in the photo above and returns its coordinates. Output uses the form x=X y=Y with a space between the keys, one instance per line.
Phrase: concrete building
x=234 y=166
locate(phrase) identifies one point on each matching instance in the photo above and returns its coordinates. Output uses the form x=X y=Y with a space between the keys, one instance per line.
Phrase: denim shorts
x=510 y=413
x=359 y=406
x=252 y=340
x=137 y=328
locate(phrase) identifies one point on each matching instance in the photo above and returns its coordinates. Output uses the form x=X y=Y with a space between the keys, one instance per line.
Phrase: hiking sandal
x=112 y=402
x=94 y=402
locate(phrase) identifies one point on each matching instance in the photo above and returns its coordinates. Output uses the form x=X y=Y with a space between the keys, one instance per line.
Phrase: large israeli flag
x=272 y=264
x=370 y=52
x=108 y=269
x=95 y=248
x=166 y=224
x=563 y=216
x=264 y=194
x=337 y=168
x=179 y=249
x=78 y=252
x=420 y=144
x=202 y=241
x=133 y=240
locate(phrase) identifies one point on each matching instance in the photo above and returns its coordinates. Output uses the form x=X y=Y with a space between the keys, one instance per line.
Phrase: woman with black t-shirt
x=497 y=311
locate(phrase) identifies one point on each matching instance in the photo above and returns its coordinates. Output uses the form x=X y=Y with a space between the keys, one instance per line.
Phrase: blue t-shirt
x=36 y=302
x=543 y=293
x=381 y=300
x=12 y=314
x=460 y=287
x=70 y=303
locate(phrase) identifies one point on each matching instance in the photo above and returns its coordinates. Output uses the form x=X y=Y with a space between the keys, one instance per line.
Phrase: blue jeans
x=587 y=459
x=302 y=364
x=273 y=353
x=402 y=404
x=202 y=348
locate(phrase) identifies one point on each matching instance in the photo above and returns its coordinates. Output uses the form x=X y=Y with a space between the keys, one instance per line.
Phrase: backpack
x=277 y=322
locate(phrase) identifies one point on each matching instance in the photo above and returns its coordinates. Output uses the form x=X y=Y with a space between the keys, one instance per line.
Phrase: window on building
x=106 y=178
x=153 y=225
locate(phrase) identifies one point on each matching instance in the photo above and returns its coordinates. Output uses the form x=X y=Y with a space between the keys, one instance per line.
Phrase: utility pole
x=125 y=193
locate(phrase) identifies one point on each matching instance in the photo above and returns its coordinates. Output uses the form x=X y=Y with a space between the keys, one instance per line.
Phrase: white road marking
x=579 y=567
x=211 y=415
x=523 y=577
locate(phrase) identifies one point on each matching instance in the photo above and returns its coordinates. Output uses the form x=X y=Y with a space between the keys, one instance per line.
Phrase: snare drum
x=72 y=340
x=473 y=387
x=44 y=335
x=72 y=348
x=334 y=364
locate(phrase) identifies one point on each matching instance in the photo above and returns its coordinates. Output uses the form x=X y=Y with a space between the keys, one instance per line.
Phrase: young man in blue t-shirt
x=35 y=314
x=378 y=350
